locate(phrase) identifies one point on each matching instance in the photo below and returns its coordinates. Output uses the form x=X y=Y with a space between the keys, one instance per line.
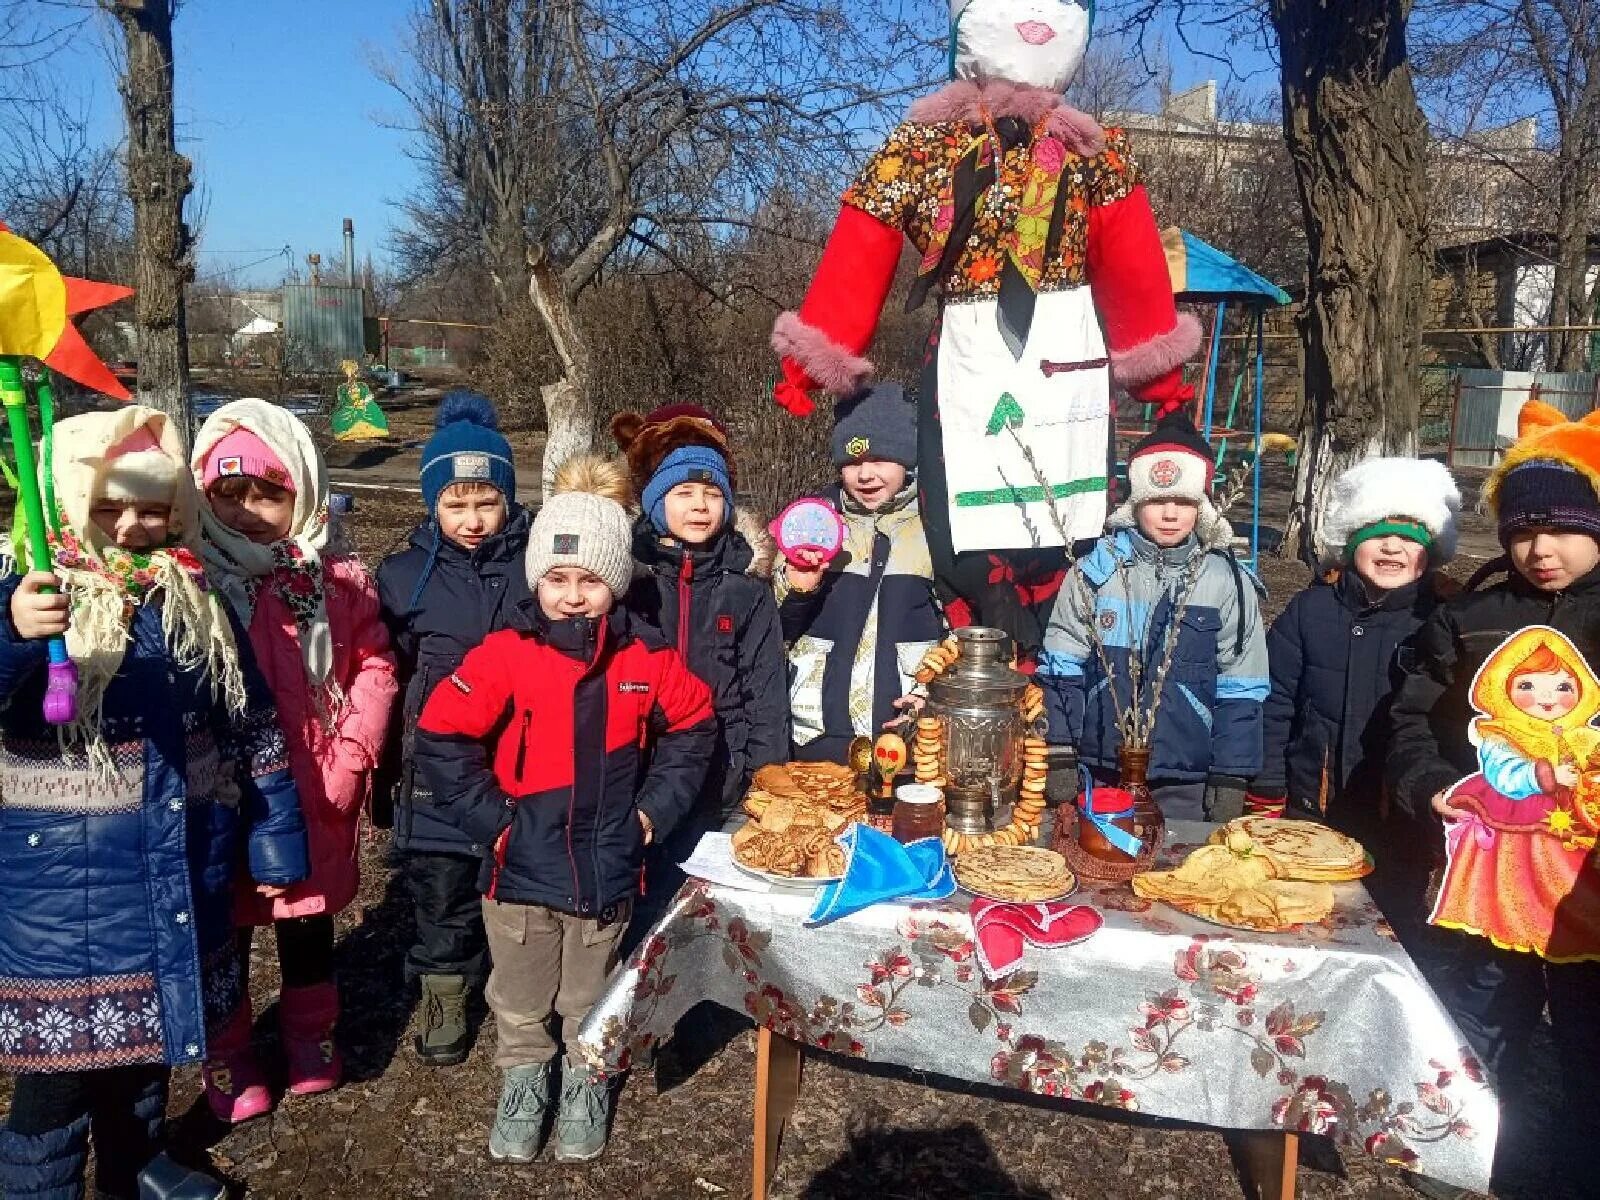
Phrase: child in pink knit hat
x=314 y=624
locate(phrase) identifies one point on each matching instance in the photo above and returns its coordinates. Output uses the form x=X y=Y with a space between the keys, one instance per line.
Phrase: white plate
x=1002 y=900
x=796 y=883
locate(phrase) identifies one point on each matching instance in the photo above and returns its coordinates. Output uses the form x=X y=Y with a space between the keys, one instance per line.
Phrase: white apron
x=1056 y=399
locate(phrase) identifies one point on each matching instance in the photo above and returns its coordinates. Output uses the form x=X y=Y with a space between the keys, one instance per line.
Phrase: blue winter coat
x=1334 y=653
x=466 y=596
x=116 y=931
x=1129 y=590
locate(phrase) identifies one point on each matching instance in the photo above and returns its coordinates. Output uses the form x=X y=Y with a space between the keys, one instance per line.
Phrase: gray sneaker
x=442 y=1039
x=519 y=1121
x=581 y=1124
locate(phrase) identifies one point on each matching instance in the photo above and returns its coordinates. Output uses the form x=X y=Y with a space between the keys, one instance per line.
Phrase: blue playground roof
x=1202 y=273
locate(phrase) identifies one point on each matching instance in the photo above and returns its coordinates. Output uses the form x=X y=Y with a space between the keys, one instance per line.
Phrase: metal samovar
x=978 y=704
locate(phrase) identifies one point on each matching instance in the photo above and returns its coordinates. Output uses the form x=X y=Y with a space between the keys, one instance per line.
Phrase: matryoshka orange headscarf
x=1571 y=737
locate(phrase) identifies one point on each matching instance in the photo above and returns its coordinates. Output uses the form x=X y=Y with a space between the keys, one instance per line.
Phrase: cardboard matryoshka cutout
x=1519 y=867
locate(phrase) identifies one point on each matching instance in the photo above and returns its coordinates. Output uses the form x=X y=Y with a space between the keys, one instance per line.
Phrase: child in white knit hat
x=565 y=743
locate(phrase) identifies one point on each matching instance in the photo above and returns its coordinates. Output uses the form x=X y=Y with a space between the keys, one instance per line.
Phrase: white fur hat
x=1414 y=489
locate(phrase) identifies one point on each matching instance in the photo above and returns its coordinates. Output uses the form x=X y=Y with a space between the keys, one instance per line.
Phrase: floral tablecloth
x=1328 y=1030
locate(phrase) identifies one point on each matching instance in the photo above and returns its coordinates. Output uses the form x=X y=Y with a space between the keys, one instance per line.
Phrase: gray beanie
x=581 y=529
x=877 y=422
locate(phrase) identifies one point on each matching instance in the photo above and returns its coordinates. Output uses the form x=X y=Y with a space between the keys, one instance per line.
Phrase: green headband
x=956 y=24
x=1412 y=531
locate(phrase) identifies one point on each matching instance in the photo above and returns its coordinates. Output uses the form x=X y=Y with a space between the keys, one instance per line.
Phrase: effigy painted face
x=1036 y=42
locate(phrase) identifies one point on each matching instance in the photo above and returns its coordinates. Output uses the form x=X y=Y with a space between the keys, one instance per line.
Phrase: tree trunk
x=1357 y=139
x=1569 y=293
x=158 y=182
x=569 y=415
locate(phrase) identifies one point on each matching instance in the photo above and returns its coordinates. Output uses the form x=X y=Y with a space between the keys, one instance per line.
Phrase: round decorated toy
x=812 y=525
x=1035 y=231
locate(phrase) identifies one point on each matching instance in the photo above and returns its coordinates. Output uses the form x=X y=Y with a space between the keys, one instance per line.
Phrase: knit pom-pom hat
x=467 y=447
x=1415 y=498
x=1551 y=477
x=582 y=529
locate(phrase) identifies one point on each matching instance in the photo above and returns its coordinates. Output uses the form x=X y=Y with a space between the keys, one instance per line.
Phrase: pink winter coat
x=333 y=771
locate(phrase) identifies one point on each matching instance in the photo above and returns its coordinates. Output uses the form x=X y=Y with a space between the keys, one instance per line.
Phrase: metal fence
x=1483 y=420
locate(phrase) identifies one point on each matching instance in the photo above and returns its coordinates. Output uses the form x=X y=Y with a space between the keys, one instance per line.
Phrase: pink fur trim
x=1154 y=358
x=966 y=100
x=830 y=365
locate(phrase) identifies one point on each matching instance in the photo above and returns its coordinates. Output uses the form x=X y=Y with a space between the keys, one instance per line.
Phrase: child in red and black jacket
x=567 y=743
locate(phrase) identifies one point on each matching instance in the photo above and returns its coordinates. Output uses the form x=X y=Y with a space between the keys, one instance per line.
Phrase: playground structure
x=1202 y=274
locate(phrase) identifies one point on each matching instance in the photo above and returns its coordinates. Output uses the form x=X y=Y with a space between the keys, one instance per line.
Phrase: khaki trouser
x=545 y=963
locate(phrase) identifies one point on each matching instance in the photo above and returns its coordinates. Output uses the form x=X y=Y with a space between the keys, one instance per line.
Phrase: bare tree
x=158 y=182
x=1358 y=142
x=1487 y=63
x=563 y=137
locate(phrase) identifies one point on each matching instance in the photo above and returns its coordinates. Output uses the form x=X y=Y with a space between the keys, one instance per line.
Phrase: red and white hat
x=1172 y=462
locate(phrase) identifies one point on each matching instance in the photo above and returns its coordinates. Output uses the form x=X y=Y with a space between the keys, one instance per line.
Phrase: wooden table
x=1269 y=1162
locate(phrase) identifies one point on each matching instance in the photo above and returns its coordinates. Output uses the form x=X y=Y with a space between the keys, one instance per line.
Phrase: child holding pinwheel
x=121 y=831
x=314 y=624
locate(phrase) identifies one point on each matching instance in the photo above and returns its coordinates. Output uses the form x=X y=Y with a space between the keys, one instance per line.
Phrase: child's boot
x=442 y=1040
x=306 y=1016
x=45 y=1166
x=164 y=1179
x=581 y=1124
x=235 y=1086
x=519 y=1119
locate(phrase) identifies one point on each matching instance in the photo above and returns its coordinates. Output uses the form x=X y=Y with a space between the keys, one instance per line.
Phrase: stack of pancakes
x=1017 y=874
x=797 y=811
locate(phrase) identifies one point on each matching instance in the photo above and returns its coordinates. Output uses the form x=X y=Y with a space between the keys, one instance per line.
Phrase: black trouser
x=1498 y=997
x=305 y=949
x=125 y=1106
x=449 y=914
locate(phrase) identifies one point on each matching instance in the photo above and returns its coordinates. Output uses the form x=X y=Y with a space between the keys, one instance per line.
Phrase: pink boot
x=235 y=1087
x=306 y=1017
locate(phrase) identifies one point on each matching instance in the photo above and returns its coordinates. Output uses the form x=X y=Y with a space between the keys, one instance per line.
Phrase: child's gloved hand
x=1224 y=798
x=36 y=613
x=807 y=578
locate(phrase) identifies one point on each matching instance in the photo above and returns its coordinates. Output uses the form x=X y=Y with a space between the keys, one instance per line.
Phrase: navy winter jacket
x=466 y=597
x=1335 y=666
x=856 y=642
x=116 y=893
x=724 y=624
x=551 y=738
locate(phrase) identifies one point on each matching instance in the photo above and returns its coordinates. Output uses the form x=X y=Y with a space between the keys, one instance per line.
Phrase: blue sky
x=280 y=110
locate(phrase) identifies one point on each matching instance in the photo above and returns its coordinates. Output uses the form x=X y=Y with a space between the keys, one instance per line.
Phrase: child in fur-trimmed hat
x=695 y=585
x=1390 y=523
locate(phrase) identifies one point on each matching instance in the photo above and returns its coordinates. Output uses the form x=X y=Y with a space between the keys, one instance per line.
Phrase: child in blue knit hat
x=696 y=587
x=459 y=580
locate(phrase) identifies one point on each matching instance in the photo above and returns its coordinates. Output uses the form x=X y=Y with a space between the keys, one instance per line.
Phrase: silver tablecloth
x=1329 y=1030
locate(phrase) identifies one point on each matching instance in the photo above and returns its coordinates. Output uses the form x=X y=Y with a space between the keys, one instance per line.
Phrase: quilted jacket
x=116 y=924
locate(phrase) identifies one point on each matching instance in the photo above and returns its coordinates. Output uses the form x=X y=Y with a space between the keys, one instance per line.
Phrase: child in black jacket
x=696 y=589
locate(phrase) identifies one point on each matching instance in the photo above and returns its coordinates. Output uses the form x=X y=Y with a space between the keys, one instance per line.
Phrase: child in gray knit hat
x=857 y=627
x=566 y=744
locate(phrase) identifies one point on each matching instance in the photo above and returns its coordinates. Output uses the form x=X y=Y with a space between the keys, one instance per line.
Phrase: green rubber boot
x=519 y=1120
x=581 y=1125
x=442 y=1040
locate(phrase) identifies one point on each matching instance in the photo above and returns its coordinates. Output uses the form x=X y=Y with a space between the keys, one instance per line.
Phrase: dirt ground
x=683 y=1130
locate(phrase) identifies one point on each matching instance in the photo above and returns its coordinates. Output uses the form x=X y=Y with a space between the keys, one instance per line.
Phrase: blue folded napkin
x=878 y=868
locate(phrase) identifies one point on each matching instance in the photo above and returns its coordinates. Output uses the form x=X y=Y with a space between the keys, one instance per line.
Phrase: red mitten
x=1148 y=338
x=822 y=344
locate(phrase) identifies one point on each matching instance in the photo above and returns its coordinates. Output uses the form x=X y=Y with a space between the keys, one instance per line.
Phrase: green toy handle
x=60 y=698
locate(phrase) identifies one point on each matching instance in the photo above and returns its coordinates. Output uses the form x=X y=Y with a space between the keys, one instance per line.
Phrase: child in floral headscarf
x=120 y=834
x=314 y=624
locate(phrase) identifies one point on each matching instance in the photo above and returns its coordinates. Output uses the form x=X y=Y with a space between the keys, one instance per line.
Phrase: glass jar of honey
x=918 y=813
